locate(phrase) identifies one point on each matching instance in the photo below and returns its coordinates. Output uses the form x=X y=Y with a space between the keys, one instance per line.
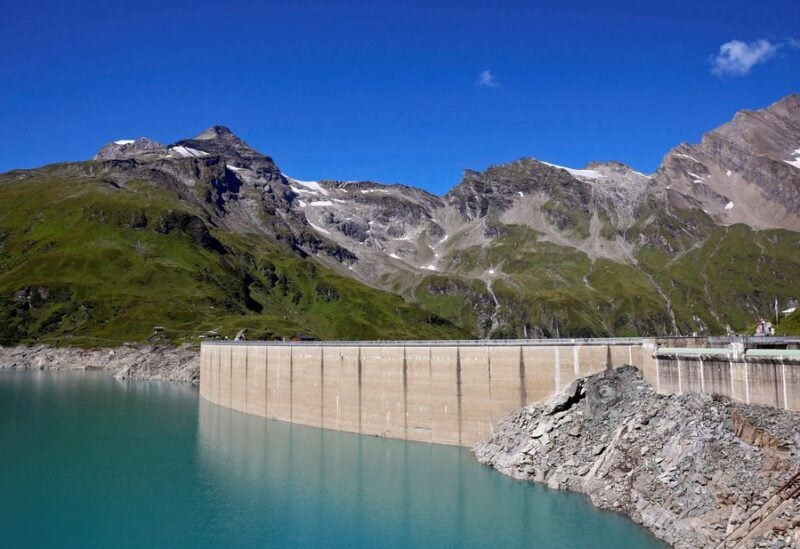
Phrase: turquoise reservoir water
x=86 y=460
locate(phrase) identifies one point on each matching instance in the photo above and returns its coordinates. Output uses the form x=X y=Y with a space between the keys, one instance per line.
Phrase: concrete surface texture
x=442 y=393
x=757 y=377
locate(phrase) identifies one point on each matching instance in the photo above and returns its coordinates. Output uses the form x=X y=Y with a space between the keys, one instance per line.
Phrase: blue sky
x=390 y=91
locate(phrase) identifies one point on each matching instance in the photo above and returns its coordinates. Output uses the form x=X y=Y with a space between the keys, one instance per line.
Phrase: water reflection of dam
x=277 y=483
x=332 y=477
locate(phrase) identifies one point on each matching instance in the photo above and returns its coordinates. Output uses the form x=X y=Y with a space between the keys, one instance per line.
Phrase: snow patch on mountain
x=697 y=178
x=313 y=186
x=692 y=158
x=796 y=160
x=188 y=152
x=580 y=174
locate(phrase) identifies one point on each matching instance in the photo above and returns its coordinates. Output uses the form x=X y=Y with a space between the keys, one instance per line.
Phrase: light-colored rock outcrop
x=167 y=363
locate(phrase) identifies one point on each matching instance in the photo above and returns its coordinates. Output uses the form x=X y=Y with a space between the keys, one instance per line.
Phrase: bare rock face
x=222 y=142
x=154 y=362
x=245 y=189
x=746 y=171
x=690 y=468
x=132 y=148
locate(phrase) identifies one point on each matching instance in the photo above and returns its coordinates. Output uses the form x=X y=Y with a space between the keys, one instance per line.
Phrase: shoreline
x=146 y=362
x=689 y=468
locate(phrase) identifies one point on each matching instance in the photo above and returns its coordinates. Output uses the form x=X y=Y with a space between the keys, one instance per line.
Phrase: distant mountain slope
x=208 y=233
x=745 y=171
x=88 y=259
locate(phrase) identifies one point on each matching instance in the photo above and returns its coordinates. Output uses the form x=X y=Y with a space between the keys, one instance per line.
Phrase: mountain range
x=209 y=234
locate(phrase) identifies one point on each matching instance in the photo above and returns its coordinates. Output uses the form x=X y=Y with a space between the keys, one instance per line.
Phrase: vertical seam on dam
x=733 y=384
x=339 y=390
x=230 y=379
x=783 y=377
x=246 y=368
x=405 y=394
x=658 y=377
x=291 y=383
x=359 y=389
x=746 y=383
x=557 y=363
x=523 y=390
x=702 y=377
x=430 y=389
x=266 y=382
x=576 y=361
x=489 y=368
x=322 y=387
x=458 y=390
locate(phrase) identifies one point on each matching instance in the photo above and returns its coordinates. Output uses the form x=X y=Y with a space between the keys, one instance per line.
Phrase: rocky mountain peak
x=745 y=171
x=130 y=148
x=610 y=166
x=216 y=132
x=221 y=141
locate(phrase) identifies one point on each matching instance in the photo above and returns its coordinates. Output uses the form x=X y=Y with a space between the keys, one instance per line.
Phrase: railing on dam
x=681 y=341
x=442 y=342
x=755 y=341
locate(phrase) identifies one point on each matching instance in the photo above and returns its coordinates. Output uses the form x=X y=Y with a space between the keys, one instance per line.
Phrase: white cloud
x=487 y=80
x=736 y=58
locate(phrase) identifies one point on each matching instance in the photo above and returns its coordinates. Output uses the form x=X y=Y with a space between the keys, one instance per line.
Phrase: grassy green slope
x=789 y=325
x=550 y=290
x=730 y=277
x=83 y=262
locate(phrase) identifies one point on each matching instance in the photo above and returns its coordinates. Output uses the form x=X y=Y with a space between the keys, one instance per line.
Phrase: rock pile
x=159 y=362
x=691 y=468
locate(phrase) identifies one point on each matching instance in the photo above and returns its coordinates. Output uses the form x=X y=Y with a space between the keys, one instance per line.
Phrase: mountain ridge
x=521 y=249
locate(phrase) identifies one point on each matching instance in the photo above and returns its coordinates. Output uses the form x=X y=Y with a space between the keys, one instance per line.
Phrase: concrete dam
x=448 y=392
x=454 y=392
x=764 y=371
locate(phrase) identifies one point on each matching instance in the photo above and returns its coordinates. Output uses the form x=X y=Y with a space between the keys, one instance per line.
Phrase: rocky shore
x=691 y=468
x=156 y=362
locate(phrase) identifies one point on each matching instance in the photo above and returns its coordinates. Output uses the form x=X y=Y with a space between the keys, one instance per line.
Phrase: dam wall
x=454 y=392
x=442 y=392
x=766 y=376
